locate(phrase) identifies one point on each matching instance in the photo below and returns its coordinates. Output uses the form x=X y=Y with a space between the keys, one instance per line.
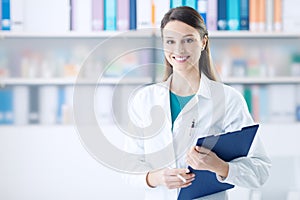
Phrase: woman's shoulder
x=149 y=92
x=149 y=89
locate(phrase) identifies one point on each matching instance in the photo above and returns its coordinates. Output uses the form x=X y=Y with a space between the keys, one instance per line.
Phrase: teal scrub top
x=177 y=103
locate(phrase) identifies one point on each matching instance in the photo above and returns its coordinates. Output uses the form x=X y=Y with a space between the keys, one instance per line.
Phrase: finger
x=188 y=176
x=176 y=184
x=192 y=161
x=202 y=150
x=193 y=151
x=186 y=185
x=179 y=178
x=176 y=171
x=186 y=182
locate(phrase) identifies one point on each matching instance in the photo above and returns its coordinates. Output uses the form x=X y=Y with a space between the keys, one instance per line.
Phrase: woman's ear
x=204 y=41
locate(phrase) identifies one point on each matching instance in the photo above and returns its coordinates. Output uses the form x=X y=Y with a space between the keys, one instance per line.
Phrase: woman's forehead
x=179 y=29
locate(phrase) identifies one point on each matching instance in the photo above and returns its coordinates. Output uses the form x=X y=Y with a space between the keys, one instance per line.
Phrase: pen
x=193 y=124
x=179 y=176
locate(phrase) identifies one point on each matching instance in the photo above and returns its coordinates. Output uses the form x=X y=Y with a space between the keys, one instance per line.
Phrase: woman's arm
x=251 y=171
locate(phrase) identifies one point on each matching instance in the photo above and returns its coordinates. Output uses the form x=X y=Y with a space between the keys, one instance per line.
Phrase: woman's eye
x=170 y=42
x=189 y=40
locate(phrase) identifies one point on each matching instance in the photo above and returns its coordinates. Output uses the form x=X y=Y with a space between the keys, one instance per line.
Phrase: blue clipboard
x=228 y=147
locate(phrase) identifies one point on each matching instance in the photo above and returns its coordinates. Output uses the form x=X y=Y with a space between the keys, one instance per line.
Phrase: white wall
x=51 y=163
x=41 y=162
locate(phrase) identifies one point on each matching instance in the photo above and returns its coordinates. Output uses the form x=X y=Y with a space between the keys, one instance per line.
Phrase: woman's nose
x=180 y=48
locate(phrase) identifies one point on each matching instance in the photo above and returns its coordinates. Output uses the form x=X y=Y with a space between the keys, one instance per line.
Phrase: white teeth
x=181 y=58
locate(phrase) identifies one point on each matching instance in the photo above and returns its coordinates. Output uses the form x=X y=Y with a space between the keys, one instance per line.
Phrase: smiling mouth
x=180 y=58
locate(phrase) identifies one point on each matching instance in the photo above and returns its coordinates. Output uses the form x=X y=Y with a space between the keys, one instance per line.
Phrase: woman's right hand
x=169 y=178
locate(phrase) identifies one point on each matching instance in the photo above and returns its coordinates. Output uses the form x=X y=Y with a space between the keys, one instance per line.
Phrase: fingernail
x=187 y=171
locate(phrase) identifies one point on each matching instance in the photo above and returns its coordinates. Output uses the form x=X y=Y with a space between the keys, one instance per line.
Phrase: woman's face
x=182 y=45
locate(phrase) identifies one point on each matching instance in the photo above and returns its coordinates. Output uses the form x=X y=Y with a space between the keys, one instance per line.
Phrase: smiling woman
x=177 y=23
x=195 y=105
x=182 y=46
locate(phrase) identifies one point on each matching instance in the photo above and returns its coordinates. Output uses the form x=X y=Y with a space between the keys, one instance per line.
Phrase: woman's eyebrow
x=188 y=35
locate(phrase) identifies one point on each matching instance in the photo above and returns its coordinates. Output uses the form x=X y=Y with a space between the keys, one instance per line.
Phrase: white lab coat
x=216 y=108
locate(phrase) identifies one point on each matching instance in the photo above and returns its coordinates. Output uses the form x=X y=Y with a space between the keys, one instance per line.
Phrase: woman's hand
x=169 y=178
x=201 y=158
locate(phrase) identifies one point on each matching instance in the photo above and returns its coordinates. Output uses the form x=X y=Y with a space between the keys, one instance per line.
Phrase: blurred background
x=47 y=47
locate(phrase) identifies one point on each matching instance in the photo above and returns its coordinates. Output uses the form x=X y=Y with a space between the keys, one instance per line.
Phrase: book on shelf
x=46 y=16
x=244 y=15
x=5 y=19
x=21 y=108
x=222 y=15
x=33 y=115
x=282 y=103
x=17 y=15
x=278 y=15
x=160 y=8
x=176 y=3
x=48 y=96
x=144 y=14
x=192 y=3
x=81 y=15
x=97 y=15
x=261 y=15
x=298 y=102
x=290 y=16
x=123 y=15
x=248 y=97
x=6 y=106
x=233 y=14
x=133 y=14
x=202 y=9
x=269 y=15
x=211 y=15
x=103 y=104
x=263 y=103
x=110 y=15
x=253 y=16
x=0 y=14
x=255 y=102
x=64 y=105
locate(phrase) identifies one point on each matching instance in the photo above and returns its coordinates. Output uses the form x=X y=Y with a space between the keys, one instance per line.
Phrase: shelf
x=145 y=80
x=145 y=33
x=262 y=80
x=249 y=34
x=71 y=81
x=101 y=34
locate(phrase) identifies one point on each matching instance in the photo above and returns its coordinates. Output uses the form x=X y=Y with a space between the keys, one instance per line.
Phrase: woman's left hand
x=200 y=158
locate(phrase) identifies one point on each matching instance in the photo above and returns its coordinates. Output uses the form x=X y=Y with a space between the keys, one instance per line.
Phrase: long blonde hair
x=191 y=17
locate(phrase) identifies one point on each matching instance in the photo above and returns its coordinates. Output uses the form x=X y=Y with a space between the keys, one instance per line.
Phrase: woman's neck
x=185 y=83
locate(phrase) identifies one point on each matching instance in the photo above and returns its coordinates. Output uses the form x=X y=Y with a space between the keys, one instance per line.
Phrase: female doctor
x=194 y=105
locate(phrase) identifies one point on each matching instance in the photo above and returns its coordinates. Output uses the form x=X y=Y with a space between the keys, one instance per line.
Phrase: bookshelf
x=262 y=80
x=100 y=34
x=235 y=45
x=72 y=81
